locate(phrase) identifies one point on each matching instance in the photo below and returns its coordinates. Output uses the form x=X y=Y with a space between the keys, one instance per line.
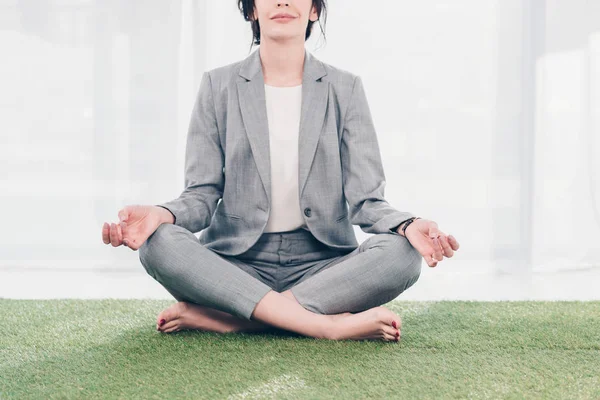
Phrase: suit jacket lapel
x=251 y=95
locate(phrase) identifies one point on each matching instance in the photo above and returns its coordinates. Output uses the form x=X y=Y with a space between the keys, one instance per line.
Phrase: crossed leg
x=187 y=315
x=217 y=295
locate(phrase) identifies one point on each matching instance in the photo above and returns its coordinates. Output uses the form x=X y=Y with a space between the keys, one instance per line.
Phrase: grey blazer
x=227 y=168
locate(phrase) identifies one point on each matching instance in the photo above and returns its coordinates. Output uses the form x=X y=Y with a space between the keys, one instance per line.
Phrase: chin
x=287 y=35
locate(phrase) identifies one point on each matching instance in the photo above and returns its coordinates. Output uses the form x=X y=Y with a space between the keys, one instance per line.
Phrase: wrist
x=404 y=226
x=399 y=229
x=166 y=217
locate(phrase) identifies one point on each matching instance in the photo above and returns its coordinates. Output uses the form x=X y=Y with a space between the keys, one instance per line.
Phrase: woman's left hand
x=432 y=243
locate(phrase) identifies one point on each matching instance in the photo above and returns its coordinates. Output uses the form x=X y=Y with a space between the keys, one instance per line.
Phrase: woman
x=278 y=144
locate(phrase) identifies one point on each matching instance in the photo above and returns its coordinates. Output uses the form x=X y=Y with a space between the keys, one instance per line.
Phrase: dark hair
x=246 y=7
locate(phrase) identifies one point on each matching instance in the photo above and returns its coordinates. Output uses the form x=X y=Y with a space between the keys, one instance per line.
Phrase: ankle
x=329 y=328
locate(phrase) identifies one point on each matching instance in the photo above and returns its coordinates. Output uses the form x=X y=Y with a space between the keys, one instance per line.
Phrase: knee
x=411 y=268
x=406 y=262
x=155 y=247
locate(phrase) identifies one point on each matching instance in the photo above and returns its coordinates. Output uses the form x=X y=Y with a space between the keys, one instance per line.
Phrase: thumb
x=434 y=232
x=124 y=214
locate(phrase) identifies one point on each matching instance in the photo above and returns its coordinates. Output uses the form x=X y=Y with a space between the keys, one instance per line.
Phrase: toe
x=174 y=328
x=396 y=323
x=169 y=314
x=161 y=318
x=389 y=337
x=391 y=331
x=169 y=326
x=388 y=317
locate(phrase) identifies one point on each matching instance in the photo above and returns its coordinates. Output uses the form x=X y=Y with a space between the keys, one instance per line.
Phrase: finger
x=445 y=246
x=114 y=236
x=453 y=242
x=434 y=234
x=122 y=240
x=437 y=250
x=430 y=261
x=123 y=226
x=119 y=233
x=105 y=233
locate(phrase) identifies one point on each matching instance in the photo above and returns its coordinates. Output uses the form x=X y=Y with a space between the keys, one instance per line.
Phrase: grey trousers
x=323 y=280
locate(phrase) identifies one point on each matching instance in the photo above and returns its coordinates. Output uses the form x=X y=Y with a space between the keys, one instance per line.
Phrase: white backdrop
x=492 y=133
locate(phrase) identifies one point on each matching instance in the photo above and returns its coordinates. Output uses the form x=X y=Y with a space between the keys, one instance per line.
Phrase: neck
x=282 y=63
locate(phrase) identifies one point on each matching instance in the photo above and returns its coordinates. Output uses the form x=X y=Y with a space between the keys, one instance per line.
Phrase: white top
x=283 y=114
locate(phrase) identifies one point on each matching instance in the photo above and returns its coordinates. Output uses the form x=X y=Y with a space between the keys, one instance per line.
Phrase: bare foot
x=183 y=315
x=377 y=323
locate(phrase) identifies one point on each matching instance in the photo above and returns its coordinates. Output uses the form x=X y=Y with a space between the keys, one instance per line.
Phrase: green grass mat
x=470 y=350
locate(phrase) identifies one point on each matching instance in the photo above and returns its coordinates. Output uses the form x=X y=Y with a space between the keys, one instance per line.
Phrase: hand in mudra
x=136 y=224
x=432 y=243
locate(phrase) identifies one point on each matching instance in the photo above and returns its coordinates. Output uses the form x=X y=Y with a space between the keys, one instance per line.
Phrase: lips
x=283 y=16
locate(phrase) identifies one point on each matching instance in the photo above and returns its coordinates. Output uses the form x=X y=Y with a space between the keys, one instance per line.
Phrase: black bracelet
x=410 y=221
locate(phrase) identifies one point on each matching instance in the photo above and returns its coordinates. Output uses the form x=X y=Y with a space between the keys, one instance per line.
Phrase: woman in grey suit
x=282 y=160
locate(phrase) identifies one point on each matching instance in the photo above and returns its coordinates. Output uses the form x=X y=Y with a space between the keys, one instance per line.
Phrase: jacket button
x=307 y=212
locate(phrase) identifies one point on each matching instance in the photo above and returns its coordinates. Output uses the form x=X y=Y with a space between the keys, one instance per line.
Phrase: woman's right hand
x=136 y=224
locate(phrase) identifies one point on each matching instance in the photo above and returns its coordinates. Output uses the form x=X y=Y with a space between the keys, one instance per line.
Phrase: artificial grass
x=451 y=349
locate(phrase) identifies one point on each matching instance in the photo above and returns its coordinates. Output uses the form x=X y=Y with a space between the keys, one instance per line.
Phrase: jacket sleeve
x=204 y=162
x=362 y=169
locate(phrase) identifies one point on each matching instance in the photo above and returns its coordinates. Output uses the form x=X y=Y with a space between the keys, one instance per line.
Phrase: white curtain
x=487 y=113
